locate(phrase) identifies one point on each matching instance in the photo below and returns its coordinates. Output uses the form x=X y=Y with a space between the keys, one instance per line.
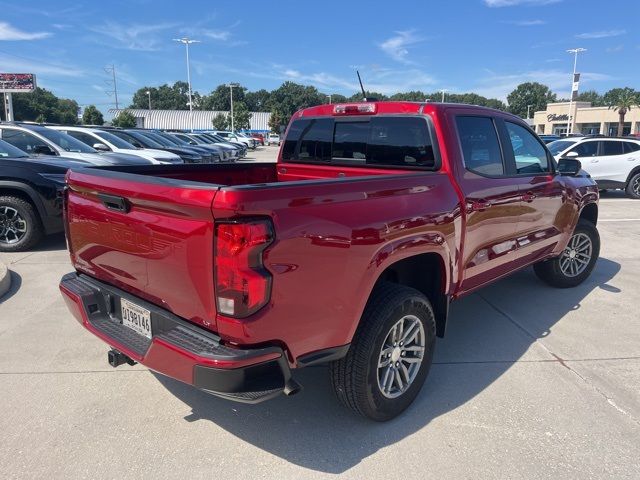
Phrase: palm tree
x=622 y=103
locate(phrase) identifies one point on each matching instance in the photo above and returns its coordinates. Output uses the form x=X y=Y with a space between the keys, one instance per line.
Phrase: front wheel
x=20 y=226
x=633 y=187
x=577 y=260
x=390 y=356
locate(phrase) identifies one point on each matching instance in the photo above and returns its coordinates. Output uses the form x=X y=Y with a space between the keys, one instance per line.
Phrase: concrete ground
x=530 y=382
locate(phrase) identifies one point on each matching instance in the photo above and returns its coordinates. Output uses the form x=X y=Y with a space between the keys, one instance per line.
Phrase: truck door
x=540 y=222
x=492 y=201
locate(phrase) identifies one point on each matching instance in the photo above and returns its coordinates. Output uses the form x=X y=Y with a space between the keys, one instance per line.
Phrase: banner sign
x=17 y=82
x=574 y=87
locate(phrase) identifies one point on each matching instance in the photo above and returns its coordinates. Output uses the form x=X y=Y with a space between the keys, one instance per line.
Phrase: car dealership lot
x=530 y=382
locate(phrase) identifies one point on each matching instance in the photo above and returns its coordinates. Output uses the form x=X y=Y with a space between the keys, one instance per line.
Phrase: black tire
x=355 y=377
x=34 y=229
x=551 y=271
x=633 y=186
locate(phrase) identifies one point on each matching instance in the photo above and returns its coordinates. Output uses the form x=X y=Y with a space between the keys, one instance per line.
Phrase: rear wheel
x=577 y=260
x=633 y=186
x=390 y=356
x=20 y=226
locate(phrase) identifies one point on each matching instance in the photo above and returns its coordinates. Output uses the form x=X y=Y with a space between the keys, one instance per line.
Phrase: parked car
x=188 y=155
x=549 y=138
x=30 y=196
x=104 y=141
x=230 y=153
x=347 y=251
x=273 y=138
x=242 y=147
x=259 y=137
x=39 y=140
x=234 y=137
x=202 y=149
x=614 y=163
x=209 y=154
x=253 y=143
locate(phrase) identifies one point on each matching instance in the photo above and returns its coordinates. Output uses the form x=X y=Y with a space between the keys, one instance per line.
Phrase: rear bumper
x=177 y=348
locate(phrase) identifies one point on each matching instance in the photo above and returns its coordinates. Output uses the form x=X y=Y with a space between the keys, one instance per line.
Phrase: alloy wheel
x=577 y=255
x=12 y=226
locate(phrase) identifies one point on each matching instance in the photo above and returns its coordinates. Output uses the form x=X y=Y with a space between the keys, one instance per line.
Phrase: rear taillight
x=242 y=284
x=354 y=109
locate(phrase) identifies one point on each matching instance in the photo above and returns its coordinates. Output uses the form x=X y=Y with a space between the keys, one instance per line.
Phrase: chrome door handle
x=479 y=206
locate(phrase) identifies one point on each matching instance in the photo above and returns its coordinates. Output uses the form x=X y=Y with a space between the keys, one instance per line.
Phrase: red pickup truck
x=347 y=251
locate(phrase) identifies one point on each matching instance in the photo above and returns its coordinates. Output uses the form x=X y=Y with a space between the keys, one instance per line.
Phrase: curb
x=5 y=279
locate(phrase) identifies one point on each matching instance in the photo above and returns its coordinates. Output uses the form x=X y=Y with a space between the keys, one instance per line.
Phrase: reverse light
x=354 y=109
x=242 y=284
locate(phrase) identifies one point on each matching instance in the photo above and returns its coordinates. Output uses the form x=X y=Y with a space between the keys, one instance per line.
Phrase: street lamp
x=149 y=95
x=443 y=92
x=187 y=41
x=575 y=51
x=231 y=85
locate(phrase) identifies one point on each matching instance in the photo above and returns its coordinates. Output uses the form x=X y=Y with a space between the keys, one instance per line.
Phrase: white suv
x=233 y=137
x=107 y=142
x=614 y=163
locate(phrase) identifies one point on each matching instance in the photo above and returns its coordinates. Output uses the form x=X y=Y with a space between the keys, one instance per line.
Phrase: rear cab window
x=391 y=141
x=480 y=146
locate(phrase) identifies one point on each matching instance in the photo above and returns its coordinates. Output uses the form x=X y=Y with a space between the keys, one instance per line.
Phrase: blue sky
x=484 y=46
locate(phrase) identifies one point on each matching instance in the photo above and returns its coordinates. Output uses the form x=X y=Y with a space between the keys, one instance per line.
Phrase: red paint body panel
x=337 y=228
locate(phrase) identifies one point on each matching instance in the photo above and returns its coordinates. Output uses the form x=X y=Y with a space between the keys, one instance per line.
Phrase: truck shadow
x=484 y=339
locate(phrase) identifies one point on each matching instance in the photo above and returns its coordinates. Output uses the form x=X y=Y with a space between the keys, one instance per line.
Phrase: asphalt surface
x=530 y=382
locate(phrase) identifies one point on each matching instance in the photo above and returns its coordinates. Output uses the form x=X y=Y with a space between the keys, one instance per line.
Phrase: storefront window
x=588 y=128
x=559 y=129
x=613 y=129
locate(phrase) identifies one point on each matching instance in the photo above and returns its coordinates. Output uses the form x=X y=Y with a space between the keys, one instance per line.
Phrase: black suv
x=31 y=191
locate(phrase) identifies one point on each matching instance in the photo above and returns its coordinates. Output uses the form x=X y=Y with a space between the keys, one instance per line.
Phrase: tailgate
x=150 y=236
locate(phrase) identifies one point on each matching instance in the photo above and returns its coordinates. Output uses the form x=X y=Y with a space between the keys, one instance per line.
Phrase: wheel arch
x=590 y=213
x=26 y=193
x=631 y=175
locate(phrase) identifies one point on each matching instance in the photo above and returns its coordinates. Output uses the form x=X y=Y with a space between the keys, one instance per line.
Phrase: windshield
x=559 y=145
x=157 y=138
x=65 y=142
x=169 y=138
x=180 y=139
x=147 y=142
x=116 y=141
x=8 y=150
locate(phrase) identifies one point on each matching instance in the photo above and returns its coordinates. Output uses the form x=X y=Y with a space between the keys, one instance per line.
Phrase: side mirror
x=569 y=167
x=571 y=155
x=44 y=150
x=101 y=147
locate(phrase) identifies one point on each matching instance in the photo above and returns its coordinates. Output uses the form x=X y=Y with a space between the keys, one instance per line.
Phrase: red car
x=348 y=251
x=259 y=137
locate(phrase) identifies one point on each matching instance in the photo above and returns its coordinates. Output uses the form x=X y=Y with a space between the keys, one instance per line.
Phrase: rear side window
x=22 y=140
x=612 y=148
x=631 y=147
x=386 y=141
x=586 y=149
x=480 y=146
x=530 y=155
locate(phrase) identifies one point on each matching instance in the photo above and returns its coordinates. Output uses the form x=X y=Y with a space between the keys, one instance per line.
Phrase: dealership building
x=587 y=119
x=180 y=119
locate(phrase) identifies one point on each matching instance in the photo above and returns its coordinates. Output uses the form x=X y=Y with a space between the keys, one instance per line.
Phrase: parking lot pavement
x=530 y=382
x=265 y=154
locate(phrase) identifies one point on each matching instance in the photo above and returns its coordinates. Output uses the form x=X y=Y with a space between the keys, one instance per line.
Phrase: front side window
x=530 y=155
x=610 y=147
x=586 y=149
x=631 y=147
x=480 y=146
x=64 y=141
x=83 y=137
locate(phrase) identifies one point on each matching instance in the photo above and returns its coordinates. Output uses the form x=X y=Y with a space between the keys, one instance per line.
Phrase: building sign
x=554 y=117
x=17 y=82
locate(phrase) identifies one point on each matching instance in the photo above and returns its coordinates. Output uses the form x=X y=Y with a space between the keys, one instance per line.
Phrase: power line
x=112 y=70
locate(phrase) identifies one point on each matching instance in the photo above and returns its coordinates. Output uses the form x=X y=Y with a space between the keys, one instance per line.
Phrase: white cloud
x=500 y=85
x=397 y=47
x=617 y=48
x=7 y=32
x=601 y=34
x=135 y=36
x=513 y=3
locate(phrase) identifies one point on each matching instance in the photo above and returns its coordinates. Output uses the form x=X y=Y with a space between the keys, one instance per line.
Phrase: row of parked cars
x=34 y=159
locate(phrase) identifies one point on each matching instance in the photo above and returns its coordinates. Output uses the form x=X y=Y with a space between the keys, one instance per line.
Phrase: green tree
x=357 y=97
x=336 y=98
x=92 y=116
x=220 y=122
x=124 y=120
x=413 y=96
x=166 y=97
x=591 y=96
x=530 y=93
x=41 y=119
x=241 y=116
x=621 y=100
x=220 y=98
x=29 y=106
x=277 y=120
x=290 y=97
x=257 y=101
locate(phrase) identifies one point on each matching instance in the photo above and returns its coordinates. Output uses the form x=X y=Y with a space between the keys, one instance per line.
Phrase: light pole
x=528 y=107
x=187 y=41
x=149 y=96
x=443 y=92
x=231 y=85
x=329 y=97
x=575 y=51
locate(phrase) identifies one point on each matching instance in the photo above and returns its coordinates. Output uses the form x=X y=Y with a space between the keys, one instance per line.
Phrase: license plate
x=136 y=318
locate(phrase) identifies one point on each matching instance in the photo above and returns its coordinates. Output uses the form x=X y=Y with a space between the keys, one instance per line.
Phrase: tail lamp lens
x=242 y=284
x=354 y=109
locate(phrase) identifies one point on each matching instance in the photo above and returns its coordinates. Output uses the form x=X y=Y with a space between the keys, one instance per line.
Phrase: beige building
x=587 y=119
